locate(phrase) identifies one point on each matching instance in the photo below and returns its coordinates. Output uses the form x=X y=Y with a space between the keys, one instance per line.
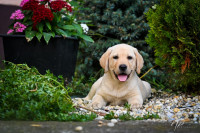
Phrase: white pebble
x=195 y=119
x=79 y=128
x=191 y=112
x=111 y=124
x=132 y=113
x=189 y=99
x=170 y=116
x=83 y=110
x=175 y=100
x=124 y=112
x=167 y=101
x=114 y=121
x=168 y=107
x=99 y=118
x=195 y=115
x=158 y=102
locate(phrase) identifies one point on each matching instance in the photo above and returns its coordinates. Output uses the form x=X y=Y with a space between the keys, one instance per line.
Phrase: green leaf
x=109 y=116
x=62 y=32
x=39 y=36
x=47 y=37
x=74 y=3
x=78 y=28
x=40 y=27
x=29 y=35
x=53 y=34
x=29 y=28
x=87 y=38
x=48 y=25
x=29 y=22
x=68 y=27
x=84 y=21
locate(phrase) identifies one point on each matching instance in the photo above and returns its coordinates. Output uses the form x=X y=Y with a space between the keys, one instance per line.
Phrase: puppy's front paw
x=96 y=105
x=136 y=105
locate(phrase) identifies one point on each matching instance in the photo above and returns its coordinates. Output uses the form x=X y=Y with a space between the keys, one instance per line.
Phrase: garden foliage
x=175 y=36
x=114 y=22
x=46 y=18
x=25 y=94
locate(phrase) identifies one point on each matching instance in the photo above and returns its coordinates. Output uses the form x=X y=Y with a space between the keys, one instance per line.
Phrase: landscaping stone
x=114 y=121
x=79 y=128
x=111 y=124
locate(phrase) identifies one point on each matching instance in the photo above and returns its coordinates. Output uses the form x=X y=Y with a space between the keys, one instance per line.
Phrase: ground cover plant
x=175 y=35
x=25 y=94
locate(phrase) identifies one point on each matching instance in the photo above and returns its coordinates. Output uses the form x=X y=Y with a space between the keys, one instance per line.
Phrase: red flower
x=30 y=5
x=45 y=0
x=59 y=4
x=69 y=8
x=41 y=13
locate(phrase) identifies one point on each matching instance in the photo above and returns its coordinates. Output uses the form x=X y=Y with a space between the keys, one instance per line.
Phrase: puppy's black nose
x=122 y=67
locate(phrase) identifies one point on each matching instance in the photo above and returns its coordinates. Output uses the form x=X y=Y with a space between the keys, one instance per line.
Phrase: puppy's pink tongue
x=122 y=77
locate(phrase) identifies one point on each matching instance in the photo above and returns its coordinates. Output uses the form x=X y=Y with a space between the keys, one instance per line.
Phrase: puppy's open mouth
x=122 y=76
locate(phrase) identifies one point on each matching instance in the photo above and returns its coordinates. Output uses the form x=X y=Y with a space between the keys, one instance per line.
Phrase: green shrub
x=80 y=86
x=25 y=94
x=115 y=22
x=175 y=36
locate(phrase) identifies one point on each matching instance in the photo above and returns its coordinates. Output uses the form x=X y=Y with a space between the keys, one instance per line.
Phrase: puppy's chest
x=115 y=95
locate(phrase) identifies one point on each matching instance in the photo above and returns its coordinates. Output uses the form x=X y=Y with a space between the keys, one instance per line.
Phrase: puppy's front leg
x=98 y=101
x=135 y=101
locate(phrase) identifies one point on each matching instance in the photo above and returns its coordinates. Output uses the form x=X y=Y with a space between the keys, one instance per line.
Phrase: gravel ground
x=170 y=107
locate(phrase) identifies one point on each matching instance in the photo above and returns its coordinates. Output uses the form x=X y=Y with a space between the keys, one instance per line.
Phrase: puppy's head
x=121 y=61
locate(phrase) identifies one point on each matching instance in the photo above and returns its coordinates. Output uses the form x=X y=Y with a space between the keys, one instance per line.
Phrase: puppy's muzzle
x=122 y=67
x=123 y=75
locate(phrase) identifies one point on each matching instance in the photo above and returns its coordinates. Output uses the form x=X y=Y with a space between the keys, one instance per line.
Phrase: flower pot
x=58 y=56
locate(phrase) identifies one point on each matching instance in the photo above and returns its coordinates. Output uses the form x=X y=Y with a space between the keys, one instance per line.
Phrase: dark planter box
x=58 y=56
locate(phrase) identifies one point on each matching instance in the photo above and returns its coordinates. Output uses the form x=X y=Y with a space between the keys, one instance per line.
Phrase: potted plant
x=45 y=34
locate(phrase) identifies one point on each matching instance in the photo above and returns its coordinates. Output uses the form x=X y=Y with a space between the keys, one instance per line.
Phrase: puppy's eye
x=115 y=57
x=129 y=57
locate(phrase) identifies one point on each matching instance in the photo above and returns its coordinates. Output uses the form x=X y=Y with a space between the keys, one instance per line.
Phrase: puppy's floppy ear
x=104 y=59
x=139 y=60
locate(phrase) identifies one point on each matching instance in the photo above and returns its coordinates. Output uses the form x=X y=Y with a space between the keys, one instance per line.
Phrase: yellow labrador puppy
x=120 y=82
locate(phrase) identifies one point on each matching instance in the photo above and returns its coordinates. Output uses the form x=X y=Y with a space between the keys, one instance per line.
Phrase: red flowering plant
x=47 y=18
